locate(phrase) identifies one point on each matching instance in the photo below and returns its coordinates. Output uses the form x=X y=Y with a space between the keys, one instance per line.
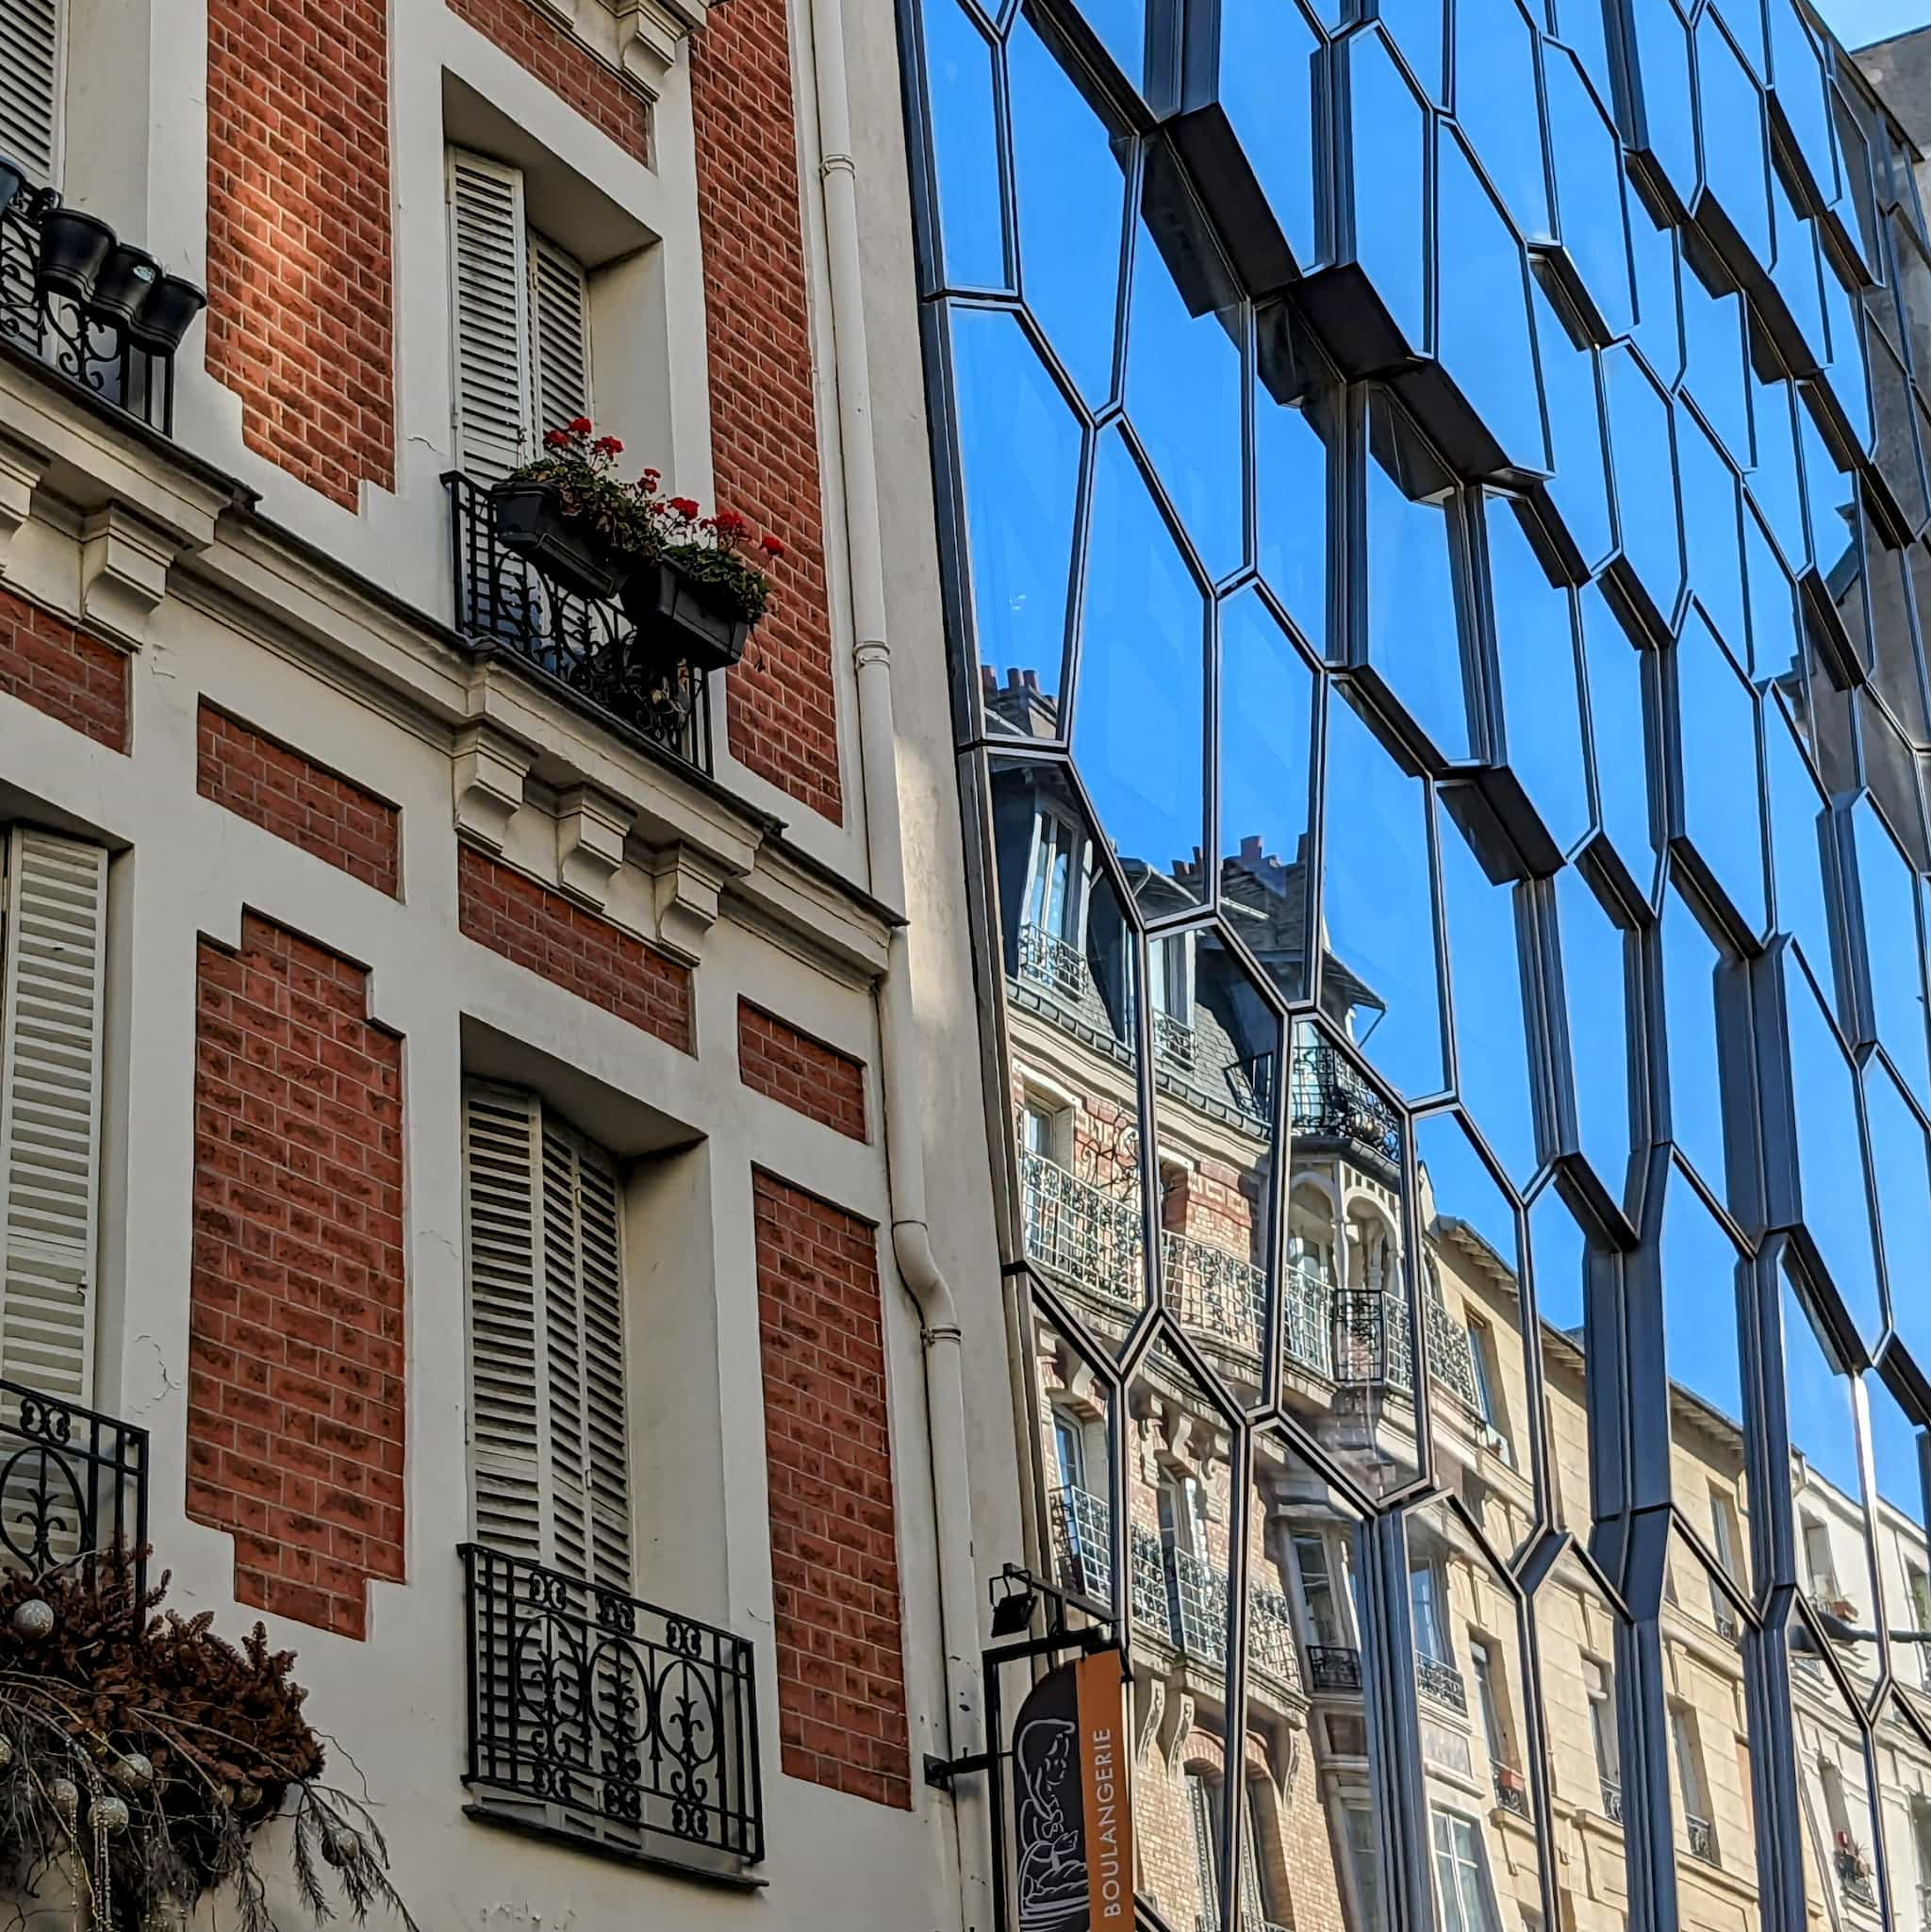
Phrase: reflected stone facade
x=1435 y=506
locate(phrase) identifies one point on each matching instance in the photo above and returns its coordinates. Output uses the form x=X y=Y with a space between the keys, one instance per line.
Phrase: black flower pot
x=74 y=248
x=530 y=523
x=162 y=318
x=12 y=179
x=126 y=281
x=679 y=619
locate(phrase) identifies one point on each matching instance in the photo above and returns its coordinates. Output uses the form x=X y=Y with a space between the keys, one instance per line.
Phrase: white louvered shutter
x=489 y=300
x=32 y=42
x=502 y=1241
x=51 y=1002
x=560 y=336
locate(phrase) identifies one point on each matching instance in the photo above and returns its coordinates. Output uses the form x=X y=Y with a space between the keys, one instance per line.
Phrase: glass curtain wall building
x=1434 y=504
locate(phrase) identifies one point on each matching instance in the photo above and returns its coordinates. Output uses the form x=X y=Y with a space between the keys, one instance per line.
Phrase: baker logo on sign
x=1074 y=1825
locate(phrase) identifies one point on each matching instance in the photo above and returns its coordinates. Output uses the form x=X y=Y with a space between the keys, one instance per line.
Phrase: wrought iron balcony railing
x=1328 y=1101
x=1375 y=1344
x=585 y=644
x=1853 y=1878
x=94 y=353
x=1441 y=1682
x=1334 y=1667
x=73 y=1483
x=1702 y=1836
x=1053 y=962
x=1511 y=1789
x=1612 y=1801
x=638 y=1726
x=1270 y=1637
x=1216 y=1293
x=1081 y=1232
x=1174 y=1040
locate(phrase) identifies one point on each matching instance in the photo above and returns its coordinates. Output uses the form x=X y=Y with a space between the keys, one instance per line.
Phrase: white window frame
x=1462 y=1862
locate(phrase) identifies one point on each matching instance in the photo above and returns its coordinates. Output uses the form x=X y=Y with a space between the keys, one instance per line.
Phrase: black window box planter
x=679 y=619
x=530 y=523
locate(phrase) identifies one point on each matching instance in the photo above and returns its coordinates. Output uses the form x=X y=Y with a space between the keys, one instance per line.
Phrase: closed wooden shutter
x=51 y=1002
x=549 y=1444
x=560 y=344
x=32 y=33
x=489 y=300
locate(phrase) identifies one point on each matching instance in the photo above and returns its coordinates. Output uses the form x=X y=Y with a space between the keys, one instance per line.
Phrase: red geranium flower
x=772 y=548
x=683 y=505
x=608 y=446
x=581 y=425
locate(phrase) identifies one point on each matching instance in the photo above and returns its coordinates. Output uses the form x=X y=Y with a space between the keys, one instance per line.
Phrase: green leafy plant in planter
x=567 y=512
x=140 y=1754
x=697 y=594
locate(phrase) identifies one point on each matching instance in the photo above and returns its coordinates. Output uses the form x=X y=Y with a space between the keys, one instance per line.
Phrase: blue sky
x=1857 y=23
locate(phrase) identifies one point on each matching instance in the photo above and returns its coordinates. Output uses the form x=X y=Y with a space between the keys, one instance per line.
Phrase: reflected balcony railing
x=1853 y=1878
x=1055 y=964
x=1174 y=1040
x=1328 y=1101
x=1334 y=1667
x=73 y=1483
x=1083 y=1541
x=585 y=643
x=1701 y=1837
x=1511 y=1789
x=638 y=1723
x=1081 y=1232
x=1374 y=1343
x=1612 y=1801
x=1924 y=1908
x=1199 y=1602
x=1441 y=1683
x=1924 y=1651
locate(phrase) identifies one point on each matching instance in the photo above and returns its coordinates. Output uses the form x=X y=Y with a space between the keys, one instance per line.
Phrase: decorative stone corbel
x=1177 y=1725
x=649 y=33
x=591 y=828
x=21 y=466
x=123 y=572
x=1152 y=1707
x=489 y=773
x=686 y=891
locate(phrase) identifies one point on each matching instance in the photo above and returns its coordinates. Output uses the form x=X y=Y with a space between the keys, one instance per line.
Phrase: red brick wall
x=300 y=314
x=763 y=429
x=547 y=48
x=306 y=803
x=799 y=1072
x=46 y=663
x=500 y=908
x=296 y=1392
x=834 y=1557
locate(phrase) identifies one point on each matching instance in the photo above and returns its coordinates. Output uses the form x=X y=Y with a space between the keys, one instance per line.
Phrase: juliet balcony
x=73 y=1483
x=608 y=1721
x=584 y=645
x=94 y=309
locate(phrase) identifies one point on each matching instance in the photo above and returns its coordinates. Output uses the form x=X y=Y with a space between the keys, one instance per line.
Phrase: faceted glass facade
x=1433 y=507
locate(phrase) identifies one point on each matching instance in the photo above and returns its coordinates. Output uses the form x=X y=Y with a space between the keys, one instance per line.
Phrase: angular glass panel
x=1071 y=969
x=1831 y=506
x=1691 y=963
x=1482 y=300
x=1776 y=484
x=1847 y=373
x=1831 y=1551
x=1417 y=27
x=1895 y=673
x=1890 y=901
x=1069 y=177
x=1896 y=417
x=1562 y=1300
x=1581 y=24
x=1536 y=657
x=1185 y=327
x=1412 y=641
x=1898 y=1522
x=1669 y=108
x=1645 y=466
x=1389 y=131
x=1588 y=161
x=1485 y=1432
x=1700 y=1325
x=1735 y=156
x=1490 y=1029
x=1899 y=1167
x=1120 y=27
x=1659 y=324
x=1838 y=1833
x=1798 y=273
x=1219 y=1048
x=1139 y=724
x=1798 y=75
x=1902 y=1751
x=1076 y=1452
x=1776 y=640
x=1580 y=1636
x=1596 y=964
x=1615 y=668
x=1713 y=346
x=1712 y=532
x=1496 y=102
x=1294 y=430
x=1579 y=441
x=1378 y=978
x=1798 y=830
x=1019 y=455
x=1269 y=80
x=965 y=147
x=1716 y=723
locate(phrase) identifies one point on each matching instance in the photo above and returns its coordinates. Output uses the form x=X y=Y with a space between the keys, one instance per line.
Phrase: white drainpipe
x=899 y=1041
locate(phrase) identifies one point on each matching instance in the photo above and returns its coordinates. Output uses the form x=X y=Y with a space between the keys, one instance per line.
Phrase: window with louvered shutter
x=51 y=1000
x=560 y=335
x=32 y=43
x=489 y=300
x=549 y=1445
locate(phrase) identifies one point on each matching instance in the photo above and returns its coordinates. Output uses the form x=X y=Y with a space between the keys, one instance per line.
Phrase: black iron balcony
x=635 y=1725
x=1702 y=1836
x=1083 y=1541
x=1328 y=1101
x=73 y=1483
x=583 y=643
x=93 y=308
x=1334 y=1667
x=1511 y=1789
x=1854 y=1876
x=1375 y=1343
x=1441 y=1683
x=1083 y=1233
x=1612 y=1801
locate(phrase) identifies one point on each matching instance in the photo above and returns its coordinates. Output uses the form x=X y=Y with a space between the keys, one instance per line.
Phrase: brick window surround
x=798 y=1072
x=296 y=1396
x=301 y=320
x=48 y=664
x=539 y=928
x=780 y=702
x=274 y=787
x=606 y=97
x=828 y=1453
